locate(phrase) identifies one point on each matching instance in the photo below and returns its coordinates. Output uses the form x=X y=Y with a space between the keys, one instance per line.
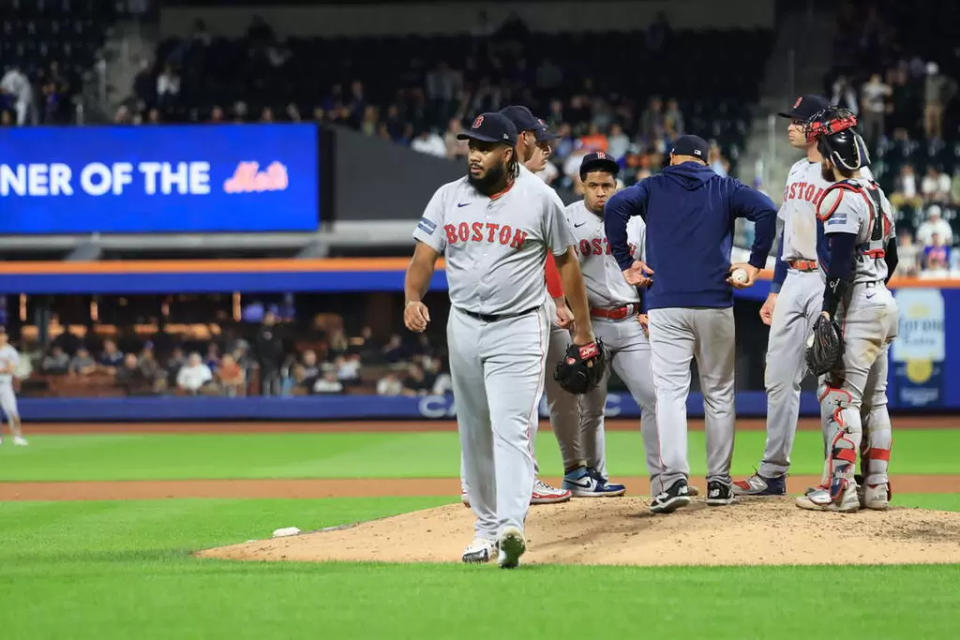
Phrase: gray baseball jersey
x=495 y=248
x=626 y=343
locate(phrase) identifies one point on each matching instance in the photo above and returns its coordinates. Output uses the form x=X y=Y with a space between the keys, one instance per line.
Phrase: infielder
x=689 y=212
x=495 y=231
x=859 y=225
x=793 y=304
x=620 y=323
x=9 y=359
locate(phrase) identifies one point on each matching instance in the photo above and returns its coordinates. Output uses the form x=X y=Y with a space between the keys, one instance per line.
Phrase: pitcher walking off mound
x=494 y=232
x=689 y=211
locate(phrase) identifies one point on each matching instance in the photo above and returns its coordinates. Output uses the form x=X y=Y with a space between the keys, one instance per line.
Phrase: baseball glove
x=582 y=367
x=825 y=347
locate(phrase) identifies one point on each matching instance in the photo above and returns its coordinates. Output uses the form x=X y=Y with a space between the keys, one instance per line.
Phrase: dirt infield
x=624 y=532
x=349 y=488
x=394 y=426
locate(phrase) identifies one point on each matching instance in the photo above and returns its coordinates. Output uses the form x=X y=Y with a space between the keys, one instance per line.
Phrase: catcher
x=857 y=222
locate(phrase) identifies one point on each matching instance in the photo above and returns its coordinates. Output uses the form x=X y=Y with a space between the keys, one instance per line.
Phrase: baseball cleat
x=758 y=485
x=585 y=482
x=692 y=491
x=479 y=551
x=464 y=498
x=844 y=499
x=545 y=494
x=719 y=493
x=672 y=498
x=20 y=441
x=876 y=496
x=512 y=545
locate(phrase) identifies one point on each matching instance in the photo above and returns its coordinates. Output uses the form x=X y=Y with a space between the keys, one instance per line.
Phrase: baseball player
x=494 y=231
x=620 y=323
x=689 y=213
x=9 y=359
x=533 y=150
x=793 y=304
x=858 y=223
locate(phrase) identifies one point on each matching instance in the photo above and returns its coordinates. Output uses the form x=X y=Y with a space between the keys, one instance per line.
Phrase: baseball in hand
x=739 y=275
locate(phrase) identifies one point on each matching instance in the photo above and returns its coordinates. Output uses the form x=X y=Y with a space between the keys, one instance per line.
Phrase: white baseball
x=739 y=275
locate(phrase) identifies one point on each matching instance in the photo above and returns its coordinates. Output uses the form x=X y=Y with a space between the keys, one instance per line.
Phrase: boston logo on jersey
x=803 y=191
x=485 y=232
x=597 y=247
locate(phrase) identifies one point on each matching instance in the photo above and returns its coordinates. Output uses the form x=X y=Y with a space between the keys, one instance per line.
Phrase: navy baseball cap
x=522 y=118
x=491 y=127
x=805 y=106
x=543 y=133
x=691 y=146
x=598 y=161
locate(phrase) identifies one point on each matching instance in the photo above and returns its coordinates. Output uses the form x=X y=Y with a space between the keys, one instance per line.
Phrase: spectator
x=673 y=119
x=328 y=383
x=212 y=358
x=82 y=363
x=415 y=384
x=266 y=115
x=111 y=357
x=394 y=350
x=427 y=141
x=658 y=33
x=618 y=141
x=130 y=376
x=548 y=75
x=595 y=140
x=389 y=385
x=144 y=86
x=936 y=256
x=216 y=115
x=306 y=372
x=873 y=108
x=938 y=91
x=270 y=354
x=57 y=361
x=908 y=253
x=934 y=225
x=905 y=189
x=150 y=368
x=16 y=84
x=348 y=369
x=653 y=122
x=935 y=186
x=168 y=87
x=716 y=160
x=845 y=95
x=194 y=375
x=176 y=360
x=6 y=118
x=232 y=377
x=371 y=117
x=293 y=112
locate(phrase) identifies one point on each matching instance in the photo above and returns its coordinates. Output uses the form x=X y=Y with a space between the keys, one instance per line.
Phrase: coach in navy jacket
x=689 y=211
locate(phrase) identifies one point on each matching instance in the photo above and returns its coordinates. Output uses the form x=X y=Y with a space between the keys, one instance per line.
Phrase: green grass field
x=384 y=455
x=123 y=569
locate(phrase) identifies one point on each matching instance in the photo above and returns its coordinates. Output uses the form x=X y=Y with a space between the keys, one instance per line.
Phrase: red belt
x=803 y=265
x=617 y=313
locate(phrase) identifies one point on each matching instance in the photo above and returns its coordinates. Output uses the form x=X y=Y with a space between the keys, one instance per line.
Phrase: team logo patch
x=840 y=218
x=477 y=122
x=797 y=103
x=427 y=226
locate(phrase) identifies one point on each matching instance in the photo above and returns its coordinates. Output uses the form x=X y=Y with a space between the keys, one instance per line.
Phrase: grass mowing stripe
x=338 y=455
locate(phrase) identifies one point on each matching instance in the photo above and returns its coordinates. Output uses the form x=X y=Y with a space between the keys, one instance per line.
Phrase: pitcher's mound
x=624 y=532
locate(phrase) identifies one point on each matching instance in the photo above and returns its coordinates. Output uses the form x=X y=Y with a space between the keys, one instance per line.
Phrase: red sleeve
x=554 y=283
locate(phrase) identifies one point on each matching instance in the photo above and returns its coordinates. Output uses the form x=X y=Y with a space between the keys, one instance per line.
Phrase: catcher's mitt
x=582 y=367
x=825 y=347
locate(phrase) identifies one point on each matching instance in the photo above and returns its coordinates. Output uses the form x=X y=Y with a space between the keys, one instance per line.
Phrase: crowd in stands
x=274 y=360
x=897 y=69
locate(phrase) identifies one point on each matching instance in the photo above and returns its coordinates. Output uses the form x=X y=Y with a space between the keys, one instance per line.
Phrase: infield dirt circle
x=624 y=532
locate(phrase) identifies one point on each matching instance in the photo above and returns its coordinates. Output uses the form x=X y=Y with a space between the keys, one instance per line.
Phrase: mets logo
x=476 y=123
x=797 y=103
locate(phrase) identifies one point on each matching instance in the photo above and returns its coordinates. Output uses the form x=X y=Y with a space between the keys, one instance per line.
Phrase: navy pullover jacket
x=689 y=211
